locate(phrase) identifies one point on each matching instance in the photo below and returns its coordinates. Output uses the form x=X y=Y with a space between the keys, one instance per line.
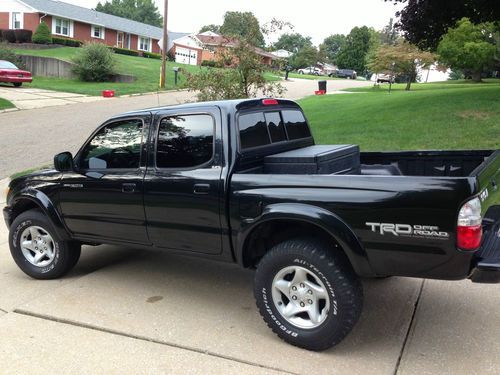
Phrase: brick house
x=75 y=22
x=195 y=48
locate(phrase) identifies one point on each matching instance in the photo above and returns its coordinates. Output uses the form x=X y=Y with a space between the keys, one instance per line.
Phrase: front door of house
x=119 y=39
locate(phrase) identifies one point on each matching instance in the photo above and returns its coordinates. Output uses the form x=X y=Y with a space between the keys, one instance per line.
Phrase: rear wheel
x=18 y=84
x=308 y=293
x=37 y=249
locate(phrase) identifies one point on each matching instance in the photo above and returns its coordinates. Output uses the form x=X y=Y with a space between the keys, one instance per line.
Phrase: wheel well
x=22 y=206
x=269 y=234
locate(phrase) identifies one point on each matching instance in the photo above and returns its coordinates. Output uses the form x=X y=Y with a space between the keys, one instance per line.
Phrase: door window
x=185 y=141
x=116 y=146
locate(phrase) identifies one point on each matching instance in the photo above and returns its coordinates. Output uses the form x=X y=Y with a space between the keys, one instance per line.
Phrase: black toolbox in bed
x=321 y=159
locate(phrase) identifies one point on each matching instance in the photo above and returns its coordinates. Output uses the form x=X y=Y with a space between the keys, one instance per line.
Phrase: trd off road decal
x=407 y=230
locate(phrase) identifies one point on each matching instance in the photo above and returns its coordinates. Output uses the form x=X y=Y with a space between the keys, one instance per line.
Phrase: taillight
x=469 y=230
x=269 y=102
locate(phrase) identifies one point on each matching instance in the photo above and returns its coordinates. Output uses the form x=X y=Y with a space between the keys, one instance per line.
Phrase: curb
x=9 y=110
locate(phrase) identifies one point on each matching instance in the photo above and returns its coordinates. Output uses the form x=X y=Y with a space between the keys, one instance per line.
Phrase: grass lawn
x=5 y=104
x=454 y=115
x=147 y=72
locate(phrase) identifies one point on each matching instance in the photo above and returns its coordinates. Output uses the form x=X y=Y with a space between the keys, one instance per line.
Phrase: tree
x=42 y=34
x=468 y=47
x=389 y=34
x=212 y=27
x=244 y=25
x=356 y=47
x=306 y=56
x=401 y=58
x=292 y=42
x=144 y=11
x=94 y=63
x=424 y=22
x=331 y=47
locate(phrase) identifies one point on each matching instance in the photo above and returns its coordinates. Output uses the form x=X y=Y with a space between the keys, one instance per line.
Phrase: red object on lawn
x=320 y=92
x=108 y=93
x=9 y=73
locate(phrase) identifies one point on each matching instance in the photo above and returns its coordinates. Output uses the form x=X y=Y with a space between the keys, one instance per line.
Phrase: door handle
x=128 y=188
x=201 y=188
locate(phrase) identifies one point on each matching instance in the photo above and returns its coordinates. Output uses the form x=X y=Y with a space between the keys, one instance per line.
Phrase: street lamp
x=164 y=47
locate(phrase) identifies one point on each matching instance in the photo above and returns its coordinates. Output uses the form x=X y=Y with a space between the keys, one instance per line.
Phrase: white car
x=310 y=70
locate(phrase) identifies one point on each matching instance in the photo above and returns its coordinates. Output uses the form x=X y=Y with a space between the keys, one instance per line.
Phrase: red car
x=12 y=74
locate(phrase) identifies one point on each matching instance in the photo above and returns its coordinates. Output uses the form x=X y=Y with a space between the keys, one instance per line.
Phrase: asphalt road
x=30 y=138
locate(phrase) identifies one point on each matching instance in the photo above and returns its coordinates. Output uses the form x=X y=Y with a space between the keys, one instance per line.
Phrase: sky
x=317 y=19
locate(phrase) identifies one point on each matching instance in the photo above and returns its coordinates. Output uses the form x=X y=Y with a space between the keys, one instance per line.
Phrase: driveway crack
x=411 y=328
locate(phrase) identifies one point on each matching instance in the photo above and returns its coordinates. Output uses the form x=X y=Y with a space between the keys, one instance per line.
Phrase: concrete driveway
x=129 y=311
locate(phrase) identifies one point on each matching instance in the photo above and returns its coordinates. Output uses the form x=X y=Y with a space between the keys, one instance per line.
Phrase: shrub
x=125 y=51
x=23 y=35
x=152 y=55
x=7 y=55
x=8 y=36
x=209 y=63
x=94 y=63
x=42 y=34
x=67 y=42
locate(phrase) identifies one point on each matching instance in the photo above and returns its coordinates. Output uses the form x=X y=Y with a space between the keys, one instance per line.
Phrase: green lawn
x=456 y=115
x=147 y=72
x=5 y=104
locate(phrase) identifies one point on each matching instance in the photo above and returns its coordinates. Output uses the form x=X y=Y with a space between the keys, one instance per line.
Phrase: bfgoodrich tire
x=37 y=249
x=308 y=294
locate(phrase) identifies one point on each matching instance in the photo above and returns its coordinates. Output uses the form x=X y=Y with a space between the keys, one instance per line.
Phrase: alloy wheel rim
x=300 y=297
x=37 y=246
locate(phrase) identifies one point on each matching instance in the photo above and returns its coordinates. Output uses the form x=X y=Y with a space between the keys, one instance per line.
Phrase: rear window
x=264 y=128
x=296 y=125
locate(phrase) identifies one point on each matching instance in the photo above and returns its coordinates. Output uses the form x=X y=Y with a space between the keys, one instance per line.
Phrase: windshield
x=7 y=65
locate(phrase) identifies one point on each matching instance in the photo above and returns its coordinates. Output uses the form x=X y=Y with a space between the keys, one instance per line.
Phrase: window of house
x=62 y=26
x=97 y=32
x=185 y=141
x=16 y=20
x=116 y=146
x=144 y=44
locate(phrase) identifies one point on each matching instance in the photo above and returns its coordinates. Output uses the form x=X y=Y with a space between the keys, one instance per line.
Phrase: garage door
x=186 y=56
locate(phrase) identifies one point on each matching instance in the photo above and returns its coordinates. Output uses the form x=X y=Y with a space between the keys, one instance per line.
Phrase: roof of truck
x=236 y=104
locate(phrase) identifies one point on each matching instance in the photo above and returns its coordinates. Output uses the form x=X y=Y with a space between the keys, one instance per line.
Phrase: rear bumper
x=487 y=268
x=16 y=79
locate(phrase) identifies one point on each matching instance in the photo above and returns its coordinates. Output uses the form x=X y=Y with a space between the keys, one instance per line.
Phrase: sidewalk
x=129 y=311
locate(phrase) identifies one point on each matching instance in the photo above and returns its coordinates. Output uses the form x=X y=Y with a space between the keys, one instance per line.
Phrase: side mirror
x=63 y=162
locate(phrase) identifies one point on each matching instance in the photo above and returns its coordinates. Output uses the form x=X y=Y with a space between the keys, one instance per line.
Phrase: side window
x=185 y=141
x=276 y=127
x=296 y=124
x=116 y=146
x=253 y=130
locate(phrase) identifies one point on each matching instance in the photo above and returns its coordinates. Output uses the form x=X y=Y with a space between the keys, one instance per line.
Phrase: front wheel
x=37 y=249
x=308 y=294
x=18 y=84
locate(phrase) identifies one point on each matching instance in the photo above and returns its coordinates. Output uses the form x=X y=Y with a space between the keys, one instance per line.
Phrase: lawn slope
x=5 y=104
x=431 y=116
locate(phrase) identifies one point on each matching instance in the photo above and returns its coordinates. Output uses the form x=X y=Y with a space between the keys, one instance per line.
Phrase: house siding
x=4 y=20
x=31 y=21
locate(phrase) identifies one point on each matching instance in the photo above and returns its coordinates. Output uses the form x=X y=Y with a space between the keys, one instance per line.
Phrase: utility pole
x=164 y=47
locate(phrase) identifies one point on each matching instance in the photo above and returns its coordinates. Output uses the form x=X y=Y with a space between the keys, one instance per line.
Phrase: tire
x=329 y=278
x=18 y=84
x=56 y=258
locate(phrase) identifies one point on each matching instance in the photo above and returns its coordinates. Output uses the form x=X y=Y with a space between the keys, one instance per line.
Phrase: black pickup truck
x=243 y=181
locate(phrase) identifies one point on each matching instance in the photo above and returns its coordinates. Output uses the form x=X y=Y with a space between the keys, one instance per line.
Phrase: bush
x=42 y=34
x=7 y=55
x=152 y=55
x=23 y=35
x=94 y=63
x=67 y=42
x=125 y=51
x=8 y=36
x=209 y=63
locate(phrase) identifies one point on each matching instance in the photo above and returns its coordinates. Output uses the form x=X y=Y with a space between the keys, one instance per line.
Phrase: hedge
x=152 y=55
x=8 y=36
x=124 y=51
x=67 y=42
x=23 y=35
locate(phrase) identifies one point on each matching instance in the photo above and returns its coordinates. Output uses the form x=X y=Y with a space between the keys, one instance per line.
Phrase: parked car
x=9 y=73
x=242 y=181
x=310 y=70
x=387 y=78
x=345 y=73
